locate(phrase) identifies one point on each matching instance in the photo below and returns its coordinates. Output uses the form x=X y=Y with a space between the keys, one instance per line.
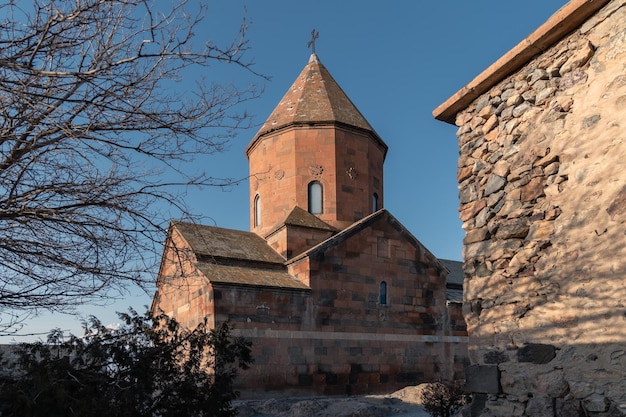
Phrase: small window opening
x=315 y=198
x=382 y=299
x=257 y=211
x=375 y=203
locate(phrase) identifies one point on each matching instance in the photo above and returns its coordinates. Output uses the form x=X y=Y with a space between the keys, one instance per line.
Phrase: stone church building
x=336 y=295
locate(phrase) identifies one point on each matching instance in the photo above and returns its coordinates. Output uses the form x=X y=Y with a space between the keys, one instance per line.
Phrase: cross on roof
x=314 y=35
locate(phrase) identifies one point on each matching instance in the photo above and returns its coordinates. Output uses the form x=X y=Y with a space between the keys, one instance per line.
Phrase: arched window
x=382 y=296
x=374 y=203
x=257 y=210
x=315 y=198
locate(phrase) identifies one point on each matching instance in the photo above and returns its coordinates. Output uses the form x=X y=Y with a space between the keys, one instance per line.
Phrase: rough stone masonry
x=542 y=189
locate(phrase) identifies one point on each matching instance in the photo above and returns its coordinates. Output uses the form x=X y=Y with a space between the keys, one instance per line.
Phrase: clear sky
x=397 y=60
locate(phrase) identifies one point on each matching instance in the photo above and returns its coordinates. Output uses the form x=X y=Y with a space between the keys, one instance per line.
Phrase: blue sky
x=397 y=60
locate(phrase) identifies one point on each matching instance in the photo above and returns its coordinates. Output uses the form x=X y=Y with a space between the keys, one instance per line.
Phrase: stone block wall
x=338 y=338
x=346 y=278
x=542 y=180
x=291 y=240
x=182 y=291
x=347 y=162
x=341 y=365
x=455 y=319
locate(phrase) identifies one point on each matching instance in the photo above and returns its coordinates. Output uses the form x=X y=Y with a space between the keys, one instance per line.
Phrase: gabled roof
x=357 y=227
x=241 y=275
x=315 y=98
x=302 y=218
x=235 y=257
x=454 y=295
x=456 y=271
x=454 y=281
x=216 y=242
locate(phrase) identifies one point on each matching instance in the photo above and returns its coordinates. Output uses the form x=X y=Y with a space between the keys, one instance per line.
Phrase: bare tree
x=94 y=133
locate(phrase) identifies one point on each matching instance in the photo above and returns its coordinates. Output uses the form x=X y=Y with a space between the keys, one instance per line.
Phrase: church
x=335 y=294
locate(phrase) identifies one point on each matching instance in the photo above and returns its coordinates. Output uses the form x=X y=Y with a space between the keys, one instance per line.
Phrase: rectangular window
x=382 y=293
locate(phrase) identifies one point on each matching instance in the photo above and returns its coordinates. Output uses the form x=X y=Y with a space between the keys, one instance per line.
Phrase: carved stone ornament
x=279 y=174
x=316 y=170
x=262 y=310
x=352 y=173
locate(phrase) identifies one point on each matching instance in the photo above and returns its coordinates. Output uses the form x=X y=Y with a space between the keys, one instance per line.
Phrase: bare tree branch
x=93 y=133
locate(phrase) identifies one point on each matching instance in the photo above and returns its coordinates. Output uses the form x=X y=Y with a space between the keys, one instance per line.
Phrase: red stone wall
x=339 y=366
x=182 y=292
x=346 y=282
x=348 y=164
x=456 y=322
x=359 y=174
x=278 y=241
x=290 y=241
x=338 y=338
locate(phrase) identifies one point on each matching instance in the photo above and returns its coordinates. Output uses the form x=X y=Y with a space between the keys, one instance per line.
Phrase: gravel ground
x=403 y=403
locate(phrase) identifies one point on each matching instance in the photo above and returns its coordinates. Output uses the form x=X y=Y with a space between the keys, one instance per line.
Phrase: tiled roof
x=238 y=257
x=315 y=97
x=456 y=271
x=238 y=275
x=357 y=227
x=454 y=280
x=300 y=217
x=454 y=296
x=227 y=243
x=257 y=256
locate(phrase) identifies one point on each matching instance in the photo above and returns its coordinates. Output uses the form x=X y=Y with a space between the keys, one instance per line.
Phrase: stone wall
x=337 y=338
x=542 y=179
x=182 y=291
x=291 y=240
x=348 y=162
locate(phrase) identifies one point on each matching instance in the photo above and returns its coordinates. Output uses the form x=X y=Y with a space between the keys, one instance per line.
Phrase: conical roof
x=315 y=97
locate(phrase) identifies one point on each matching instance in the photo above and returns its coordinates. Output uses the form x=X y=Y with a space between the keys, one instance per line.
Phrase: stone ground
x=403 y=403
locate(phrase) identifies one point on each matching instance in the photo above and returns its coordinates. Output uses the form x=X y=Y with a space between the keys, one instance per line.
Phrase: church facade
x=336 y=295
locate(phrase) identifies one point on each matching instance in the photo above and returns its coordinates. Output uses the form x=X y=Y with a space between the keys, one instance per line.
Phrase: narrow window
x=374 y=203
x=383 y=293
x=257 y=211
x=315 y=197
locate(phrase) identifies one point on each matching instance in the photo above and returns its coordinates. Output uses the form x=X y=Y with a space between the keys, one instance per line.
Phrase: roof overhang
x=307 y=125
x=560 y=24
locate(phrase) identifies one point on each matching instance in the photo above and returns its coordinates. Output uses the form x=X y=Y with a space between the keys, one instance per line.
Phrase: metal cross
x=314 y=35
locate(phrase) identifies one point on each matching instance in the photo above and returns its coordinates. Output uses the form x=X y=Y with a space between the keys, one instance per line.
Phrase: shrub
x=443 y=400
x=150 y=366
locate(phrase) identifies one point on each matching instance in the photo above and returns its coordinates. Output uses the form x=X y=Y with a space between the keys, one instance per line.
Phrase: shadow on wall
x=554 y=334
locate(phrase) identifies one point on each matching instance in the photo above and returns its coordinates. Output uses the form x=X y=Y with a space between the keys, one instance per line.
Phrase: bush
x=443 y=400
x=151 y=366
